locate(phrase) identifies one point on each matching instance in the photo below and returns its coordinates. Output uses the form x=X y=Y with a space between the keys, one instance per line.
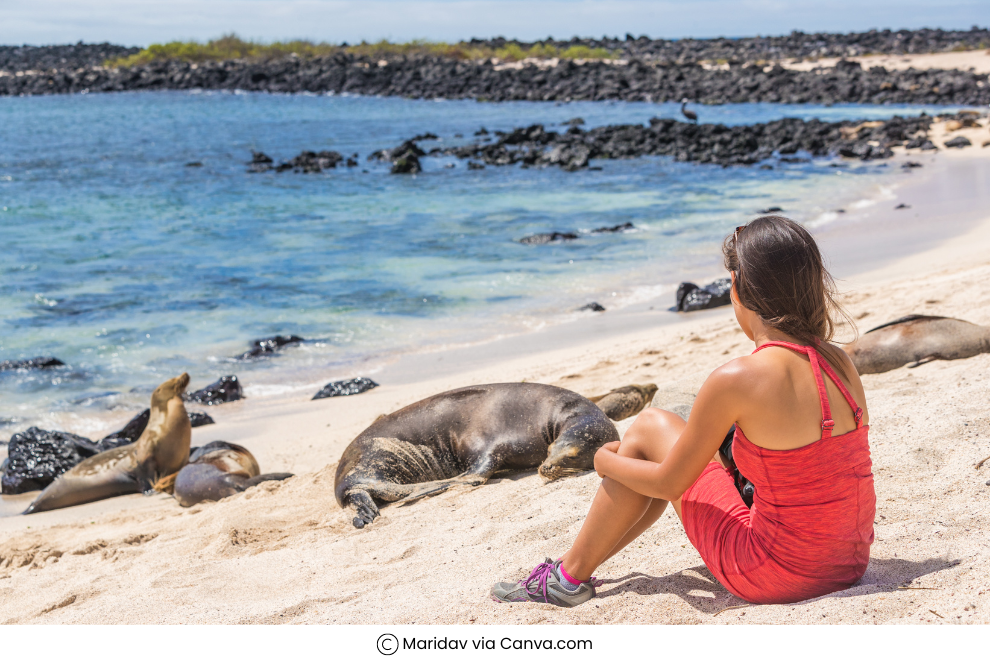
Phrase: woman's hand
x=603 y=453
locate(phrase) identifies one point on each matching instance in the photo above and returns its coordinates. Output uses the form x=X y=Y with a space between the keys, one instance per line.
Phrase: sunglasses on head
x=735 y=239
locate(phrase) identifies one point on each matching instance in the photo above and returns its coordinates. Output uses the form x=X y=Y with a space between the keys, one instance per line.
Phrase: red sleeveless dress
x=811 y=525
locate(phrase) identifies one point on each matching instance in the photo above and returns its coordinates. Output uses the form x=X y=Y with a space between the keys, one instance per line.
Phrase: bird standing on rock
x=687 y=113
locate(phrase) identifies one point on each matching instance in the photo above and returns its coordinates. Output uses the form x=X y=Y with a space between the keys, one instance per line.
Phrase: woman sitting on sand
x=805 y=448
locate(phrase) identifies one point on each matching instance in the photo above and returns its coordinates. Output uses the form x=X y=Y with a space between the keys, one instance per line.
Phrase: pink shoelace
x=541 y=574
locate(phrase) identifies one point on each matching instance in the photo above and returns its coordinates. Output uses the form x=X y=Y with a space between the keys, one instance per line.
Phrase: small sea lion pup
x=464 y=437
x=624 y=402
x=218 y=470
x=915 y=340
x=161 y=450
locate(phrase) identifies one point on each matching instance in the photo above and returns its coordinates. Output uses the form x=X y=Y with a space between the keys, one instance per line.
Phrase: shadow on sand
x=698 y=587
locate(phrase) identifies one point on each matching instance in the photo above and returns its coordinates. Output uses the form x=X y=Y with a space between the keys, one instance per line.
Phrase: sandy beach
x=286 y=553
x=977 y=61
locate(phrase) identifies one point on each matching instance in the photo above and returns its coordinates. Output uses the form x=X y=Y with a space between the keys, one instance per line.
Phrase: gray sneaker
x=543 y=586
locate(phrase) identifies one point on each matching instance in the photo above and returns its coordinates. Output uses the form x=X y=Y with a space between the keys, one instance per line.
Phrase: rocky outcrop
x=225 y=390
x=958 y=142
x=268 y=346
x=431 y=77
x=308 y=162
x=345 y=387
x=786 y=139
x=134 y=428
x=71 y=56
x=36 y=457
x=552 y=237
x=31 y=363
x=690 y=297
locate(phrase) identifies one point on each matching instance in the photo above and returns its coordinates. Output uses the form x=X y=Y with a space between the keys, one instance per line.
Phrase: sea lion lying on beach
x=624 y=402
x=464 y=437
x=915 y=340
x=218 y=470
x=162 y=450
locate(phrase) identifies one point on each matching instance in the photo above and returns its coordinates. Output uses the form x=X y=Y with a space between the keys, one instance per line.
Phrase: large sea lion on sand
x=626 y=401
x=162 y=450
x=218 y=470
x=914 y=340
x=464 y=437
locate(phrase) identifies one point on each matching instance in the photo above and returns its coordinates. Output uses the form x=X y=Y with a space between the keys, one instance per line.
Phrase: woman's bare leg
x=618 y=514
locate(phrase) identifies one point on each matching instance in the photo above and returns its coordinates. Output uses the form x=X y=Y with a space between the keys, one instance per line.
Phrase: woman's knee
x=651 y=435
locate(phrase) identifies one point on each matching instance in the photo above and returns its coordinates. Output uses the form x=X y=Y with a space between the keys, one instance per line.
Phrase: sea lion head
x=169 y=390
x=648 y=391
x=574 y=450
x=227 y=457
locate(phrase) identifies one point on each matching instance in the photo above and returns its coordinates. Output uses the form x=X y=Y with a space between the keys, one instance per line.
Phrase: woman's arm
x=715 y=411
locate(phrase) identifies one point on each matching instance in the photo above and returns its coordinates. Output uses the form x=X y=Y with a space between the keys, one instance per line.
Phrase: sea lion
x=218 y=470
x=916 y=340
x=464 y=437
x=162 y=450
x=626 y=401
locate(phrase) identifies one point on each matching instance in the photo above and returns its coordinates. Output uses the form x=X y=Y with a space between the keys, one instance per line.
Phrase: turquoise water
x=131 y=267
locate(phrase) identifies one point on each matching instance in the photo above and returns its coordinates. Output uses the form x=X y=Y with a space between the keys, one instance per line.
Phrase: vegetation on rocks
x=232 y=47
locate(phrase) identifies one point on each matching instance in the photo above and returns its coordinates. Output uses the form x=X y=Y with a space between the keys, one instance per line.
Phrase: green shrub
x=230 y=46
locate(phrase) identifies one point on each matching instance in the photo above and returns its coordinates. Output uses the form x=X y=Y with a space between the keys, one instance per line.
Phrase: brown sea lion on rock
x=218 y=470
x=624 y=402
x=162 y=450
x=464 y=437
x=915 y=340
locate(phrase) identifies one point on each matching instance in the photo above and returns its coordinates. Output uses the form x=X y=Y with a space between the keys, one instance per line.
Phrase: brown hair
x=780 y=275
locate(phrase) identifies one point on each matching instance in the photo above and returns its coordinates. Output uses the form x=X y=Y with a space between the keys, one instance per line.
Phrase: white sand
x=285 y=552
x=977 y=61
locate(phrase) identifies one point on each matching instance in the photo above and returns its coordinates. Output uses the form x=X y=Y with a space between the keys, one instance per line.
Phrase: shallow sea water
x=131 y=267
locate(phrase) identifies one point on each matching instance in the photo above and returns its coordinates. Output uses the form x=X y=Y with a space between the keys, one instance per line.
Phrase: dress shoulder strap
x=817 y=366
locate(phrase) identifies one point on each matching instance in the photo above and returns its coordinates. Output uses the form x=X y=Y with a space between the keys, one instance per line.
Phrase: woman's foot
x=546 y=584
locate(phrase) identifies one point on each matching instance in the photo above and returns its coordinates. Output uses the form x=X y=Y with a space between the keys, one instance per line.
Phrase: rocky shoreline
x=564 y=80
x=783 y=140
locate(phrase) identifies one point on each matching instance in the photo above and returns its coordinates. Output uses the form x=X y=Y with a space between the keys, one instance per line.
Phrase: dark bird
x=687 y=113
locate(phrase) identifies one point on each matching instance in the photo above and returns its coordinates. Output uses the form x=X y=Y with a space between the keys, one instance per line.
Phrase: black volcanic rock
x=134 y=428
x=345 y=388
x=690 y=297
x=958 y=142
x=225 y=390
x=199 y=419
x=648 y=74
x=268 y=346
x=311 y=162
x=626 y=226
x=591 y=307
x=784 y=141
x=32 y=363
x=552 y=237
x=260 y=162
x=36 y=457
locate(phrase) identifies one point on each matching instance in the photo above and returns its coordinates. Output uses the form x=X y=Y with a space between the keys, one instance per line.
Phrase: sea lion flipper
x=431 y=488
x=96 y=478
x=364 y=506
x=924 y=360
x=261 y=478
